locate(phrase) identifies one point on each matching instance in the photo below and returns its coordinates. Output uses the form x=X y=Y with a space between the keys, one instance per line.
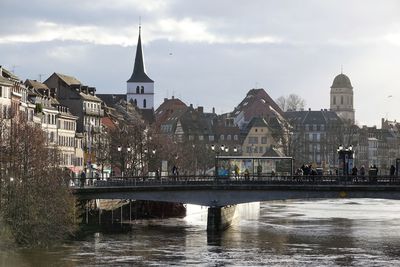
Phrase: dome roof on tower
x=341 y=81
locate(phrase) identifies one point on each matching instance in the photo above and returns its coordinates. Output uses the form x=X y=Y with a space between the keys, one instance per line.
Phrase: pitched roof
x=5 y=81
x=68 y=79
x=257 y=103
x=312 y=117
x=89 y=97
x=111 y=99
x=36 y=85
x=139 y=71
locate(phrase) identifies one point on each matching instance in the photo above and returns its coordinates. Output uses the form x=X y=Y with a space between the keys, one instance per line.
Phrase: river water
x=340 y=232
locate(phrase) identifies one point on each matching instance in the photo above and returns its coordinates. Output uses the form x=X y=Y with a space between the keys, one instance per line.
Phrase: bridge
x=220 y=192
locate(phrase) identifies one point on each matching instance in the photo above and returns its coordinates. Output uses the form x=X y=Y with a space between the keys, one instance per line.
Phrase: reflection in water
x=338 y=232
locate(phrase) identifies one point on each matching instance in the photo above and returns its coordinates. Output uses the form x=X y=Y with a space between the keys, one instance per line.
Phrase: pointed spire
x=139 y=71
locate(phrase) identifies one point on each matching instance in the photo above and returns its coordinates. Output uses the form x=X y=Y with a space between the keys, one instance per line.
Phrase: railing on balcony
x=94 y=111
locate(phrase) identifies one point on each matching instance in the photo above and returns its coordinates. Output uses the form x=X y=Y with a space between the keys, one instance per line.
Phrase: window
x=253 y=140
x=228 y=137
x=211 y=138
x=142 y=90
x=222 y=137
x=341 y=100
x=1 y=91
x=334 y=100
x=137 y=90
x=260 y=149
x=248 y=149
x=201 y=137
x=263 y=140
x=235 y=137
x=191 y=137
x=135 y=101
x=144 y=103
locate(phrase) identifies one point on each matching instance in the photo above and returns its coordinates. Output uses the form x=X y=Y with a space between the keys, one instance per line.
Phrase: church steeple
x=140 y=88
x=139 y=71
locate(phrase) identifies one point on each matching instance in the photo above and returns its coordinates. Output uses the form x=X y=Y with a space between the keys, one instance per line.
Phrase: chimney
x=173 y=97
x=200 y=110
x=213 y=110
x=309 y=109
x=191 y=106
x=165 y=99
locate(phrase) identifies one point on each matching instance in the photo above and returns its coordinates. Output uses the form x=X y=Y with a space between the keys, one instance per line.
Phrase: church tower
x=140 y=88
x=342 y=98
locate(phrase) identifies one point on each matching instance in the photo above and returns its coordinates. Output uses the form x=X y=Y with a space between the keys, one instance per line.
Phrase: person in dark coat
x=83 y=178
x=392 y=170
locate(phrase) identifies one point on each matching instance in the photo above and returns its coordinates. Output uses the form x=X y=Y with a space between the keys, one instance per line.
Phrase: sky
x=211 y=53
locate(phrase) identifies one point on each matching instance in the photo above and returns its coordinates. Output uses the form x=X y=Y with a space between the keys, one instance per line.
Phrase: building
x=5 y=95
x=257 y=103
x=82 y=103
x=167 y=108
x=140 y=88
x=58 y=123
x=342 y=98
x=259 y=138
x=316 y=137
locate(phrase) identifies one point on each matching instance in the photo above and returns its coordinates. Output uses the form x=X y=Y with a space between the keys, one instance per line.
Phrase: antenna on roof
x=341 y=69
x=40 y=76
x=13 y=68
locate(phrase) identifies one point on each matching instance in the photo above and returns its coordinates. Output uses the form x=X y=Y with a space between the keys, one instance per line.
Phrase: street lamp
x=122 y=158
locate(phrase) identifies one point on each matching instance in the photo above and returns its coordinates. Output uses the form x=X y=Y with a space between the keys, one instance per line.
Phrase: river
x=340 y=232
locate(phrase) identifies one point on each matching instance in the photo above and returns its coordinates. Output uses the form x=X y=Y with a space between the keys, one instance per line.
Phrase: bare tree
x=37 y=205
x=292 y=102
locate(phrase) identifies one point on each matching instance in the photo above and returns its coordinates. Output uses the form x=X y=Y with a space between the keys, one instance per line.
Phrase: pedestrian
x=83 y=179
x=354 y=171
x=174 y=170
x=392 y=170
x=236 y=171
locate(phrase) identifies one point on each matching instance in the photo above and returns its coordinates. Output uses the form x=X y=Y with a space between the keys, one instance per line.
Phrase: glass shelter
x=229 y=166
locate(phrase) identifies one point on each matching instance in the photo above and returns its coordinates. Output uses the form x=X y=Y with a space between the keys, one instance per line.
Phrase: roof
x=68 y=79
x=257 y=122
x=89 y=97
x=257 y=103
x=139 y=71
x=312 y=117
x=341 y=81
x=36 y=85
x=5 y=81
x=111 y=99
x=167 y=108
x=9 y=74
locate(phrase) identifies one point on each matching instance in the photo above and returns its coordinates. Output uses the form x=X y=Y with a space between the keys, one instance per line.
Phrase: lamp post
x=345 y=159
x=149 y=155
x=122 y=158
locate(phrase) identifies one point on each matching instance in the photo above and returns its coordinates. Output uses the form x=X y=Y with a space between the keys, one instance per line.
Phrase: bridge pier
x=220 y=218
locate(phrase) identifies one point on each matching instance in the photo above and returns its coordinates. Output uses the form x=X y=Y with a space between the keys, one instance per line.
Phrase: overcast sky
x=209 y=52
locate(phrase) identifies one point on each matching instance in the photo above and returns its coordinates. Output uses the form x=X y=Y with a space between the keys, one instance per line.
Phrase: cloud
x=185 y=30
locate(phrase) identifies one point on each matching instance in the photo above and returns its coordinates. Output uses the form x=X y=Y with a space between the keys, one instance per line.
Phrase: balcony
x=94 y=112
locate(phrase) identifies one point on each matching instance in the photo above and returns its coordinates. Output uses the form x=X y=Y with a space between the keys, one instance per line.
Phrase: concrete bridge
x=219 y=192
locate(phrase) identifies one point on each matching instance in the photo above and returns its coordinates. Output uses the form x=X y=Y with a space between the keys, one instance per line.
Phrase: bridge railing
x=233 y=180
